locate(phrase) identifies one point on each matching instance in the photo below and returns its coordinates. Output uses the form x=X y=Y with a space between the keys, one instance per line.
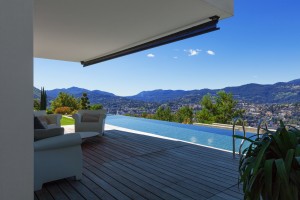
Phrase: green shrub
x=49 y=111
x=270 y=167
x=84 y=102
x=96 y=107
x=65 y=100
x=63 y=110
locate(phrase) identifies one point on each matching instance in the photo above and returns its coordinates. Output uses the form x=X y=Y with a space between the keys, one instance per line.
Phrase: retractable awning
x=92 y=31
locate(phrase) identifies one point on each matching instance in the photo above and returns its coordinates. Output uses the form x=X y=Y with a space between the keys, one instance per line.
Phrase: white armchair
x=57 y=158
x=51 y=120
x=90 y=120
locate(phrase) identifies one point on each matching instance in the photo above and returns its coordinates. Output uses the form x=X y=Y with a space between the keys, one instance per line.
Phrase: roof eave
x=180 y=35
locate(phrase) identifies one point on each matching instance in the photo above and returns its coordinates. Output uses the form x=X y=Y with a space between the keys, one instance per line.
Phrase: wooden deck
x=123 y=165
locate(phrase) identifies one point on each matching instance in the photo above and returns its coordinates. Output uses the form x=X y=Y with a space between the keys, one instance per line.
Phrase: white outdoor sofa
x=57 y=158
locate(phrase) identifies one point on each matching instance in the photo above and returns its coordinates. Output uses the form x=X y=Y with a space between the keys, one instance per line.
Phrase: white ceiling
x=81 y=30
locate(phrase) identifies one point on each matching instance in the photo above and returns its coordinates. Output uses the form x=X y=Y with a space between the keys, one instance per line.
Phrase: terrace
x=89 y=33
x=127 y=165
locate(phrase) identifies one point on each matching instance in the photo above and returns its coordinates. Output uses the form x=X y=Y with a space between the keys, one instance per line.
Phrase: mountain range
x=281 y=92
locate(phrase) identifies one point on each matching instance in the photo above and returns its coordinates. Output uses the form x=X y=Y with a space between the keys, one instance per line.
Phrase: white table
x=85 y=135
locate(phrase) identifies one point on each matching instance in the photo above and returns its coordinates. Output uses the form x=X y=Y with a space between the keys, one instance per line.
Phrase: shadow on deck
x=124 y=165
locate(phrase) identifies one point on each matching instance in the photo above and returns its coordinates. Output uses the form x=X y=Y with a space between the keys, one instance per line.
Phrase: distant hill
x=277 y=93
x=108 y=100
x=77 y=92
x=159 y=96
x=36 y=93
x=281 y=92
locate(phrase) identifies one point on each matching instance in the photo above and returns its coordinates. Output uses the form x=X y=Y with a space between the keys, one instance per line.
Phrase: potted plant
x=270 y=167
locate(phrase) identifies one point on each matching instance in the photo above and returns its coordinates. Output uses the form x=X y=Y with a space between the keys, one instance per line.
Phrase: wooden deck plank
x=227 y=159
x=223 y=195
x=147 y=143
x=194 y=163
x=237 y=188
x=43 y=194
x=131 y=184
x=56 y=192
x=98 y=191
x=151 y=142
x=84 y=191
x=183 y=173
x=206 y=159
x=108 y=150
x=145 y=183
x=203 y=152
x=165 y=179
x=124 y=165
x=116 y=184
x=184 y=193
x=121 y=179
x=176 y=175
x=192 y=168
x=129 y=145
x=234 y=194
x=69 y=191
x=106 y=186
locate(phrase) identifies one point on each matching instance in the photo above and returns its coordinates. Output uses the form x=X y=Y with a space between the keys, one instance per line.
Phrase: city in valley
x=272 y=113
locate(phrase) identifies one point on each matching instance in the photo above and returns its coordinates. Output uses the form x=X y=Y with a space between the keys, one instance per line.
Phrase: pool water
x=214 y=137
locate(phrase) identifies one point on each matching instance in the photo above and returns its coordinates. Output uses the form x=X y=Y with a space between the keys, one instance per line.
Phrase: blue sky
x=259 y=44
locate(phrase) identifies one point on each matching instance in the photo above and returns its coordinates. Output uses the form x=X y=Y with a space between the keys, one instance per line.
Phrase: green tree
x=225 y=107
x=43 y=100
x=220 y=109
x=84 y=102
x=96 y=107
x=65 y=100
x=36 y=104
x=208 y=111
x=163 y=113
x=184 y=115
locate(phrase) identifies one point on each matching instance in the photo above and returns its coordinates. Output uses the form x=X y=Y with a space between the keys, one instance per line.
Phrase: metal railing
x=260 y=123
x=235 y=121
x=239 y=119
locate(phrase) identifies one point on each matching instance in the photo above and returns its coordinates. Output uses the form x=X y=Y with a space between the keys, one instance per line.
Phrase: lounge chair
x=90 y=120
x=49 y=120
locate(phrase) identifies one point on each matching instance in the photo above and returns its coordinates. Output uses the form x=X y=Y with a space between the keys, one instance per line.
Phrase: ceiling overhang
x=98 y=30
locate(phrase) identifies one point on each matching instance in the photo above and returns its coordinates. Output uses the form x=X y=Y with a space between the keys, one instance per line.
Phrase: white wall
x=16 y=99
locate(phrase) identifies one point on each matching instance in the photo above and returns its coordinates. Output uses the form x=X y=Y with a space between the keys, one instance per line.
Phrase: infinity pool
x=214 y=137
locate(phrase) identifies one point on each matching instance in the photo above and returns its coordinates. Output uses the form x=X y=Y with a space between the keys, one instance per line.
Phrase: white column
x=16 y=99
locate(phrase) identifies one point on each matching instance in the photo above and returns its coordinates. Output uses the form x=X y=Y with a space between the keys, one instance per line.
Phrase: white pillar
x=16 y=99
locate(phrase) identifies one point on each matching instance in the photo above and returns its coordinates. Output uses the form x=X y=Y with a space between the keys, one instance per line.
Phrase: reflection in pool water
x=214 y=137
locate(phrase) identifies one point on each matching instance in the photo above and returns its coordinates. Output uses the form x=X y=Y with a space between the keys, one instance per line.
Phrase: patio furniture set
x=58 y=155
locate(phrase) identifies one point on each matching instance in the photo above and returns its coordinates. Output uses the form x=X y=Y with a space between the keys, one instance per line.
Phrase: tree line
x=221 y=108
x=67 y=104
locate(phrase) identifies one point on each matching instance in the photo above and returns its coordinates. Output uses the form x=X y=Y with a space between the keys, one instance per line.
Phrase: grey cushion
x=86 y=117
x=38 y=124
x=40 y=134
